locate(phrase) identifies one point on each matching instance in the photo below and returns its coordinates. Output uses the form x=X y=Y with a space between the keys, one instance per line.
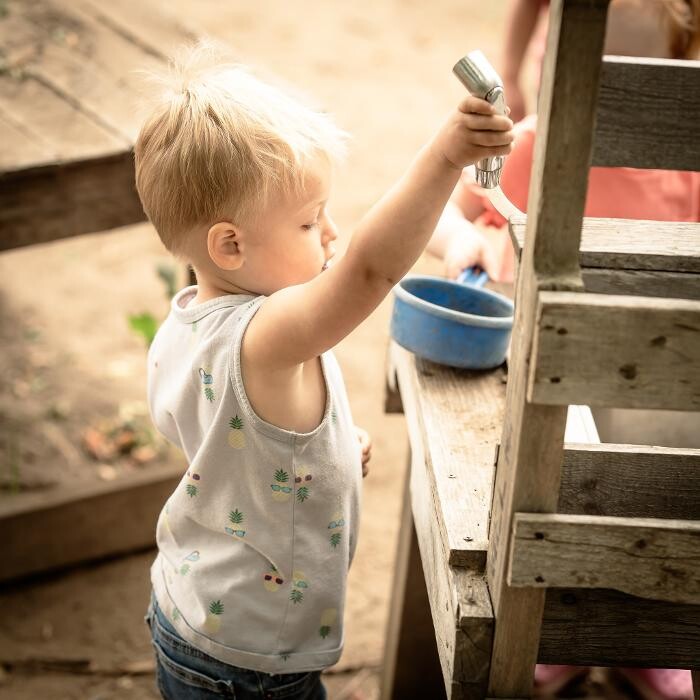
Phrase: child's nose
x=330 y=231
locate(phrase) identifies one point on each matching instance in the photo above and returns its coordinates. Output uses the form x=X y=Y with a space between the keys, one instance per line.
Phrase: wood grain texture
x=616 y=351
x=643 y=283
x=83 y=523
x=629 y=244
x=459 y=598
x=645 y=557
x=457 y=414
x=43 y=204
x=647 y=115
x=599 y=627
x=527 y=477
x=632 y=481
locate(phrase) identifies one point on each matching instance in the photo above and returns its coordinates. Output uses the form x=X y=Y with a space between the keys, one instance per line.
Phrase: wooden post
x=528 y=472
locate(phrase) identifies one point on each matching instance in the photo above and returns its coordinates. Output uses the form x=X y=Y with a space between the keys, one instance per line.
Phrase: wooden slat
x=50 y=531
x=59 y=128
x=459 y=598
x=645 y=557
x=599 y=627
x=631 y=481
x=629 y=244
x=616 y=351
x=157 y=28
x=457 y=414
x=83 y=71
x=643 y=283
x=46 y=203
x=647 y=114
x=529 y=463
x=19 y=147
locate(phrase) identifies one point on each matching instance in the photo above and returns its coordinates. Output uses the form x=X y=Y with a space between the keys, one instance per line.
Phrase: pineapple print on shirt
x=328 y=619
x=280 y=491
x=207 y=381
x=272 y=579
x=336 y=526
x=302 y=482
x=299 y=587
x=236 y=437
x=236 y=519
x=212 y=623
x=192 y=487
x=186 y=563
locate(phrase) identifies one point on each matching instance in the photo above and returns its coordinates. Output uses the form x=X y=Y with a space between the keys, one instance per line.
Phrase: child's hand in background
x=366 y=444
x=469 y=248
x=472 y=132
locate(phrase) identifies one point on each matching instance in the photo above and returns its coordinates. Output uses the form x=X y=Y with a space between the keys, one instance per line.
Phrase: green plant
x=145 y=324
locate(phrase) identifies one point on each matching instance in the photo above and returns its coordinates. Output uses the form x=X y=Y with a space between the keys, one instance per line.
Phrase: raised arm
x=301 y=322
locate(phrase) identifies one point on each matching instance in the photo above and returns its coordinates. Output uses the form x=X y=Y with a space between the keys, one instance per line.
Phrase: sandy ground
x=70 y=360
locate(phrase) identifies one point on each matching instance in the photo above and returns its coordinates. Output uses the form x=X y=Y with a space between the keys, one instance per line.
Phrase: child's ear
x=224 y=245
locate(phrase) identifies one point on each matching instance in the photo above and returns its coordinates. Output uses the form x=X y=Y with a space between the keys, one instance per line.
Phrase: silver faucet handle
x=481 y=79
x=477 y=75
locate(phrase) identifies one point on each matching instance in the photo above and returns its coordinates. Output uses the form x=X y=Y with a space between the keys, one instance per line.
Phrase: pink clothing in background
x=620 y=193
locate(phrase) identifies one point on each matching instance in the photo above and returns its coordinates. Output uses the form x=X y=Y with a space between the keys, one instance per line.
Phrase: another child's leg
x=660 y=683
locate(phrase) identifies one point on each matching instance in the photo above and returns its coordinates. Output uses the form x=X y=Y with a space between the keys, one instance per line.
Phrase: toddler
x=256 y=540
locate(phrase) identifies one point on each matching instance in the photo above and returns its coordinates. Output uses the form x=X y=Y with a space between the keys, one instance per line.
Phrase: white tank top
x=256 y=541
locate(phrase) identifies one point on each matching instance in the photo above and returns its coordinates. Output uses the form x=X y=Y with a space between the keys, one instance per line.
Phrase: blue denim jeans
x=183 y=672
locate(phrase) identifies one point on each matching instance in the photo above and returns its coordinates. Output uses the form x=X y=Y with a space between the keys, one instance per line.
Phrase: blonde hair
x=219 y=142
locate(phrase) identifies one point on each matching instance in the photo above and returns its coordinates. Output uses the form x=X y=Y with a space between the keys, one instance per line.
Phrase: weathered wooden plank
x=42 y=204
x=631 y=481
x=459 y=415
x=78 y=524
x=459 y=598
x=19 y=147
x=155 y=27
x=410 y=658
x=647 y=115
x=61 y=130
x=82 y=70
x=599 y=627
x=617 y=351
x=646 y=557
x=643 y=283
x=627 y=244
x=529 y=463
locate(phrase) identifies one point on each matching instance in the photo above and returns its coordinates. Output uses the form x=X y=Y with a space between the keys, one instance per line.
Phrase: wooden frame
x=573 y=347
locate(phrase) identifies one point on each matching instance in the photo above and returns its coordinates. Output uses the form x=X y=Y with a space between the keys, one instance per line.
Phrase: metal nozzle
x=481 y=79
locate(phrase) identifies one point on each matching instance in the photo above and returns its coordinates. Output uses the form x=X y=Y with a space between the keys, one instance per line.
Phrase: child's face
x=291 y=242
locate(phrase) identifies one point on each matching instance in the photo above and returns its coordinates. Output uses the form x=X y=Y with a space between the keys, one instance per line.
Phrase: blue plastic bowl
x=451 y=323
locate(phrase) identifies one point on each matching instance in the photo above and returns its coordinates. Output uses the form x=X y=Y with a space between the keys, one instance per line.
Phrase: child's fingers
x=481 y=122
x=475 y=105
x=491 y=138
x=493 y=151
